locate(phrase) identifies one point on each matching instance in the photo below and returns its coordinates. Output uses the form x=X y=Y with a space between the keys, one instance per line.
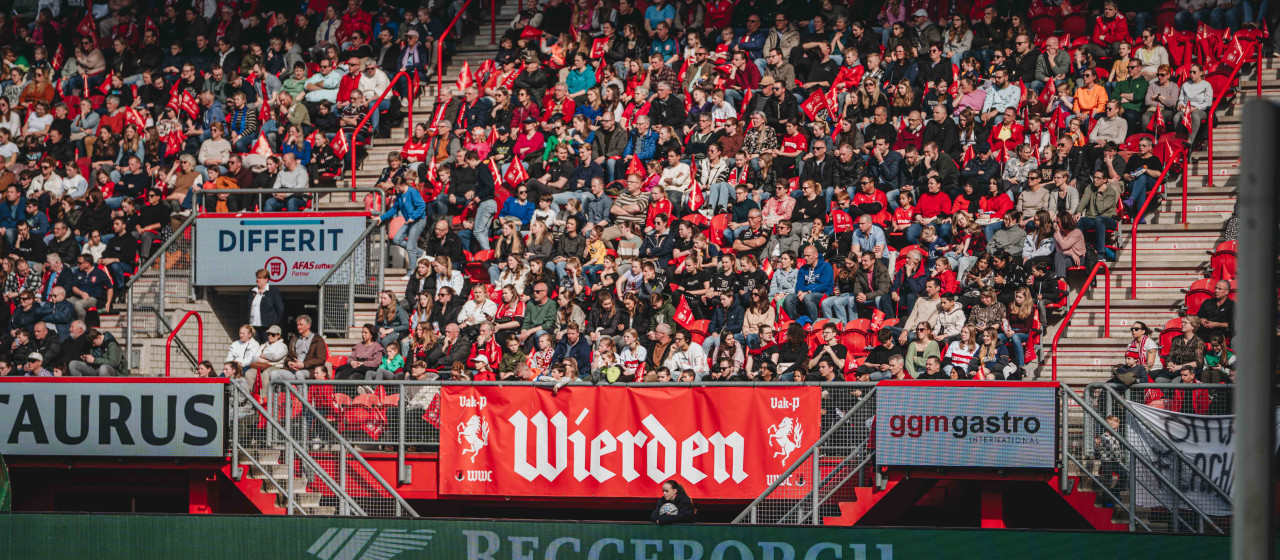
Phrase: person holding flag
x=408 y=204
x=1194 y=100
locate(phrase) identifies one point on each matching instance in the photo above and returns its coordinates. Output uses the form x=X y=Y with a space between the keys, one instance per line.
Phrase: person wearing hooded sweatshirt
x=674 y=506
x=814 y=281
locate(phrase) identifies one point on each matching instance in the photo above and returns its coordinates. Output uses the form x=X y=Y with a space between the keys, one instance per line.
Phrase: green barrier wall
x=145 y=537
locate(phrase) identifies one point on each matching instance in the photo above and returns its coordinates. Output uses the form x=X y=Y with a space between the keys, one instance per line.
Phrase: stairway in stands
x=474 y=50
x=1171 y=255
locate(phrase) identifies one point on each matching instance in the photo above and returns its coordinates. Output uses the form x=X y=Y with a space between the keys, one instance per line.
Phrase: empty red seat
x=1222 y=264
x=1199 y=292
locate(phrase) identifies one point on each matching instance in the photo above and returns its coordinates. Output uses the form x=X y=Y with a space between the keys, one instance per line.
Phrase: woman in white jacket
x=1039 y=244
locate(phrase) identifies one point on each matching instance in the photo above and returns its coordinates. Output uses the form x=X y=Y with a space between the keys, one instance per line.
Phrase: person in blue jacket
x=814 y=280
x=408 y=204
x=574 y=346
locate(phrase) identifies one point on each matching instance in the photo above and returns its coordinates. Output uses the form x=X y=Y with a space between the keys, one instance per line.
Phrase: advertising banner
x=966 y=424
x=296 y=249
x=722 y=442
x=60 y=536
x=112 y=417
x=1206 y=441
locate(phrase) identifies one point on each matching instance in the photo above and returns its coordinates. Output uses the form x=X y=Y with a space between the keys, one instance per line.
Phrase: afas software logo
x=368 y=544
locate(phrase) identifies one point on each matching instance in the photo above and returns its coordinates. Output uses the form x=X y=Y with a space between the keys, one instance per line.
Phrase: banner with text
x=296 y=249
x=722 y=442
x=966 y=424
x=1206 y=441
x=105 y=417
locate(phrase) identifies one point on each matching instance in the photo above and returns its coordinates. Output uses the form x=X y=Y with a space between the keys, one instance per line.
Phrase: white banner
x=966 y=424
x=296 y=249
x=1206 y=441
x=109 y=417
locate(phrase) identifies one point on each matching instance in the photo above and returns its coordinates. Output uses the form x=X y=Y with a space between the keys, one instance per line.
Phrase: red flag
x=1187 y=121
x=188 y=104
x=746 y=100
x=465 y=78
x=87 y=27
x=1156 y=126
x=133 y=117
x=339 y=144
x=1046 y=94
x=841 y=221
x=814 y=104
x=149 y=25
x=494 y=170
x=968 y=155
x=272 y=22
x=262 y=147
x=530 y=32
x=1022 y=87
x=634 y=166
x=1234 y=53
x=105 y=88
x=173 y=142
x=433 y=174
x=598 y=48
x=515 y=175
x=695 y=192
x=684 y=315
x=264 y=112
x=58 y=57
x=684 y=67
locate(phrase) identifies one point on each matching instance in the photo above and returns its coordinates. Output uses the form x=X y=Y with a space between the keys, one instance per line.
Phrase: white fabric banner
x=1206 y=441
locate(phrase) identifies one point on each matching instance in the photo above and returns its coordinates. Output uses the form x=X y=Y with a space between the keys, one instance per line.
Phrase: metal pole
x=128 y=330
x=320 y=310
x=815 y=485
x=1064 y=484
x=1254 y=528
x=164 y=263
x=235 y=434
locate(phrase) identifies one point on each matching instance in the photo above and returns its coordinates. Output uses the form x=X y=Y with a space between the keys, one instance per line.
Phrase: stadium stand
x=961 y=147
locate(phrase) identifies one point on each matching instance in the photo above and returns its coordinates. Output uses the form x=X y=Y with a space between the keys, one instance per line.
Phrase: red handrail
x=374 y=107
x=168 y=342
x=1213 y=109
x=1137 y=217
x=440 y=48
x=1066 y=319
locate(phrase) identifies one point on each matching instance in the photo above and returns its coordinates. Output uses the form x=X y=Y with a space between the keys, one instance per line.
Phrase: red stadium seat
x=1172 y=329
x=1223 y=263
x=1076 y=26
x=1199 y=292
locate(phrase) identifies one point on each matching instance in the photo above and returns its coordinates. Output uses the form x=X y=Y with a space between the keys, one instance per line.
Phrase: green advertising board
x=188 y=537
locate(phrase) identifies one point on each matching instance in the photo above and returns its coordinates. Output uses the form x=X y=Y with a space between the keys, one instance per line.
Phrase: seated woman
x=1186 y=351
x=365 y=356
x=392 y=321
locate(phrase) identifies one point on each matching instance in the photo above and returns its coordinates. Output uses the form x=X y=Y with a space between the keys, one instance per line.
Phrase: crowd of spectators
x=624 y=192
x=726 y=191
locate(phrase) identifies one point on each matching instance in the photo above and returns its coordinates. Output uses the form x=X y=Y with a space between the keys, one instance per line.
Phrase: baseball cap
x=920 y=13
x=35 y=357
x=767 y=81
x=274 y=329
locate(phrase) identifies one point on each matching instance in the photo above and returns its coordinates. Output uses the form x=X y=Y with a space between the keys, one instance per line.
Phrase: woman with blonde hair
x=1019 y=322
x=960 y=353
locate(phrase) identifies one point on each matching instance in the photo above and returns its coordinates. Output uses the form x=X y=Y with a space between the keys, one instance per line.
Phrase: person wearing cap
x=35 y=367
x=534 y=78
x=270 y=357
x=928 y=31
x=981 y=169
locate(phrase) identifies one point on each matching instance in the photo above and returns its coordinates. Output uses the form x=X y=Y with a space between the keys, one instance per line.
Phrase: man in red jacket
x=1109 y=31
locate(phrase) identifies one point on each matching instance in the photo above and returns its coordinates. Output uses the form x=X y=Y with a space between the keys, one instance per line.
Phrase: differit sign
x=966 y=424
x=296 y=249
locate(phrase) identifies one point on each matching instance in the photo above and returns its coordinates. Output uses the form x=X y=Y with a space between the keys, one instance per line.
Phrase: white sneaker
x=407 y=276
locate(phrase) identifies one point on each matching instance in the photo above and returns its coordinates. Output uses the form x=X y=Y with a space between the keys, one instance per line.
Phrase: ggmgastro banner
x=114 y=417
x=723 y=442
x=296 y=249
x=966 y=424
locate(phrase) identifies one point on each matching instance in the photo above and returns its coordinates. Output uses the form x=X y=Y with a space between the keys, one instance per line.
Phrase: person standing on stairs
x=266 y=307
x=410 y=206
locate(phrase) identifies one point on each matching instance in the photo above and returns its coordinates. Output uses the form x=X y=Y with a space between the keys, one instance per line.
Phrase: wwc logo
x=368 y=544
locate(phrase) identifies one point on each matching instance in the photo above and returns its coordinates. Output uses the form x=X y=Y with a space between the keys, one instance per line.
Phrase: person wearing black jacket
x=847 y=169
x=942 y=130
x=1044 y=288
x=444 y=242
x=534 y=78
x=666 y=109
x=1022 y=64
x=935 y=68
x=819 y=165
x=120 y=252
x=780 y=107
x=674 y=506
x=266 y=307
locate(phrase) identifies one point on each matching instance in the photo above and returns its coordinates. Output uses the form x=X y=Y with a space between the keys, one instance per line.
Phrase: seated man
x=121 y=251
x=90 y=287
x=58 y=313
x=307 y=349
x=814 y=280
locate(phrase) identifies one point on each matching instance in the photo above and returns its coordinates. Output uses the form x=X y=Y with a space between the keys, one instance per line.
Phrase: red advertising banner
x=718 y=442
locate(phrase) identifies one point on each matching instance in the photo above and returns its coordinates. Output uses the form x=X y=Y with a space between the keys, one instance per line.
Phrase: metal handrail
x=1066 y=319
x=1111 y=496
x=1138 y=456
x=440 y=47
x=168 y=343
x=367 y=231
x=311 y=463
x=811 y=452
x=324 y=422
x=156 y=256
x=1137 y=218
x=373 y=227
x=374 y=107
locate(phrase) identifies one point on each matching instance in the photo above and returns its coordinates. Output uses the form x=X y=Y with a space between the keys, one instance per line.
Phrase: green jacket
x=542 y=316
x=1093 y=205
x=109 y=354
x=1136 y=86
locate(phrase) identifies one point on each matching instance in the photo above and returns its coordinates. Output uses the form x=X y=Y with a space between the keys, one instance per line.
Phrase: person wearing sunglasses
x=1162 y=95
x=1131 y=92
